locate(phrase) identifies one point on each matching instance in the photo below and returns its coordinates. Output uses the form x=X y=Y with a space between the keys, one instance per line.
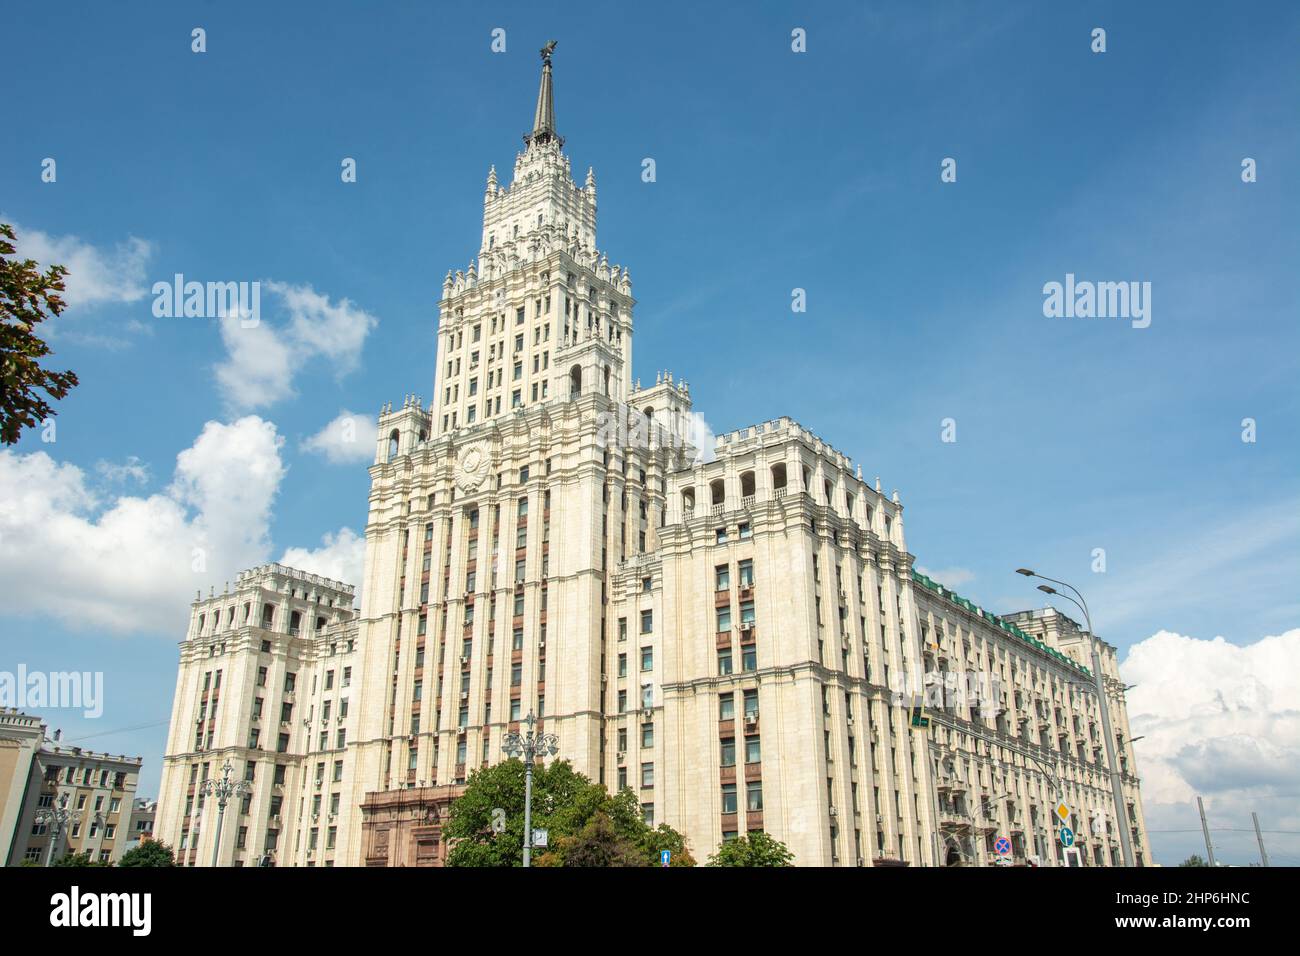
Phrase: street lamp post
x=529 y=746
x=223 y=790
x=56 y=817
x=1103 y=701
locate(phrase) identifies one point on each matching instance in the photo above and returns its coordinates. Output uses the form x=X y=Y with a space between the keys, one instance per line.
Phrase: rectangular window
x=753 y=752
x=727 y=707
x=754 y=795
x=729 y=752
x=647 y=735
x=746 y=612
x=647 y=658
x=647 y=776
x=728 y=798
x=647 y=622
x=722 y=577
x=724 y=661
x=746 y=569
x=723 y=615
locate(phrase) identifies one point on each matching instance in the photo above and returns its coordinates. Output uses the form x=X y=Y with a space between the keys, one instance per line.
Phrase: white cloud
x=259 y=366
x=129 y=563
x=949 y=577
x=1220 y=721
x=702 y=437
x=96 y=274
x=133 y=469
x=349 y=439
x=340 y=556
x=262 y=360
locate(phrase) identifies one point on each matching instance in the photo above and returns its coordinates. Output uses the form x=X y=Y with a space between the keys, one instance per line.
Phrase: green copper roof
x=996 y=621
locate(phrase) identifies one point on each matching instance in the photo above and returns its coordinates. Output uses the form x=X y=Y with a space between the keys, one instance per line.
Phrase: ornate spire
x=544 y=117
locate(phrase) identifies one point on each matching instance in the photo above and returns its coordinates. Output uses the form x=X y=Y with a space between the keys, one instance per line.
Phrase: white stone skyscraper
x=739 y=640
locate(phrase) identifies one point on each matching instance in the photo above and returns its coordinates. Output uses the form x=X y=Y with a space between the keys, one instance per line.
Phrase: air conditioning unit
x=849 y=719
x=621 y=756
x=747 y=626
x=464 y=695
x=879 y=819
x=464 y=660
x=541 y=645
x=319 y=781
x=751 y=719
x=861 y=862
x=834 y=812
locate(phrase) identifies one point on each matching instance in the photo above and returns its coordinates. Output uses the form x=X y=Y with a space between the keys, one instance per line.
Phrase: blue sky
x=775 y=170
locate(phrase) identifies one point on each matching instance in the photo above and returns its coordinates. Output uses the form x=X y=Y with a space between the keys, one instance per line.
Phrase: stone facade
x=38 y=773
x=730 y=631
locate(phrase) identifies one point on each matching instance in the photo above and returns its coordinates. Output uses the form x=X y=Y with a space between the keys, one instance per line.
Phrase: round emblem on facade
x=472 y=466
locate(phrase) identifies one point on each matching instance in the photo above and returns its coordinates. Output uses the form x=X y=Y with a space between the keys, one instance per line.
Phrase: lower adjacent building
x=92 y=791
x=733 y=629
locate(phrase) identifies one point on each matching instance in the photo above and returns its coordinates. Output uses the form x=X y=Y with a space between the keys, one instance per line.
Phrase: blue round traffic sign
x=1002 y=846
x=1067 y=836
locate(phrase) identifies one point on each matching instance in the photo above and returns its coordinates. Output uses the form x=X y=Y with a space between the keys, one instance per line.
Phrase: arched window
x=688 y=500
x=607 y=381
x=393 y=437
x=747 y=484
x=575 y=381
x=778 y=476
x=717 y=492
x=295 y=622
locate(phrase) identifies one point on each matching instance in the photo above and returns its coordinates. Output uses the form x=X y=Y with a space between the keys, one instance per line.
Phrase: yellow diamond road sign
x=1063 y=811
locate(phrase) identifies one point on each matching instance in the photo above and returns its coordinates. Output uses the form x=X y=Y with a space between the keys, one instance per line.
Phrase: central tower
x=539 y=313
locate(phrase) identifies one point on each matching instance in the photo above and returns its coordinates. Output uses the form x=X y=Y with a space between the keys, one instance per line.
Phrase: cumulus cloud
x=133 y=469
x=1221 y=721
x=96 y=274
x=702 y=437
x=340 y=557
x=349 y=439
x=262 y=360
x=128 y=563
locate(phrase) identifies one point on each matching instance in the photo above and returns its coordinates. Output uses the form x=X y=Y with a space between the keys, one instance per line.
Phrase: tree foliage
x=77 y=859
x=149 y=853
x=1194 y=860
x=26 y=295
x=753 y=849
x=585 y=825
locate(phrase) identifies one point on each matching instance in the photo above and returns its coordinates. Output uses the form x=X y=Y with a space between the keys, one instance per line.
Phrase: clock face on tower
x=472 y=466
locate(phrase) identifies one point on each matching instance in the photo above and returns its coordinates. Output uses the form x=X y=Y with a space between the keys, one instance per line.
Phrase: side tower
x=264 y=680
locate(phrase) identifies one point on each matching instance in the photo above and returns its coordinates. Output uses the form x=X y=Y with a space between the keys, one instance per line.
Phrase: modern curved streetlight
x=1103 y=702
x=223 y=790
x=529 y=746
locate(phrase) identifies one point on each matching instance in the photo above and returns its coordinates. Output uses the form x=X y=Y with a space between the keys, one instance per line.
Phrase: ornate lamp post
x=56 y=818
x=529 y=746
x=223 y=790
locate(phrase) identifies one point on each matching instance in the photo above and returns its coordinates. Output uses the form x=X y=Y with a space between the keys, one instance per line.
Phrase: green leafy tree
x=77 y=859
x=149 y=853
x=1194 y=860
x=26 y=295
x=563 y=801
x=597 y=844
x=753 y=849
x=585 y=825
